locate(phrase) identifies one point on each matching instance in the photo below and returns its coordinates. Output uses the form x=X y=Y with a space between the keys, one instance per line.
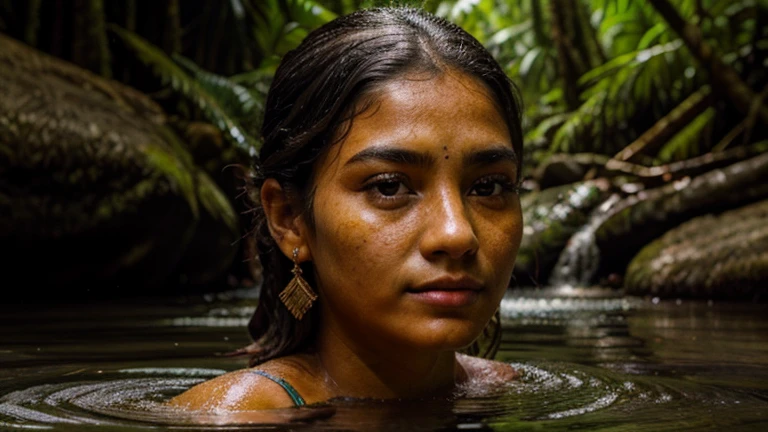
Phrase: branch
x=668 y=125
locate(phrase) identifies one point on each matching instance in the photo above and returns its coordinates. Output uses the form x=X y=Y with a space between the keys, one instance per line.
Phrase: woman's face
x=417 y=219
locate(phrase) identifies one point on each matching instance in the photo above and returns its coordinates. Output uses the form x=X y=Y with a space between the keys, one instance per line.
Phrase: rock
x=551 y=216
x=709 y=257
x=96 y=193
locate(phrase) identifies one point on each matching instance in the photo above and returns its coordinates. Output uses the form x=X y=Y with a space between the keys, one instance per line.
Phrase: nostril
x=449 y=239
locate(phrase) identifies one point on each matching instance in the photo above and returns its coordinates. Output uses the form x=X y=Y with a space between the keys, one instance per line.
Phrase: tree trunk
x=595 y=53
x=130 y=15
x=172 y=28
x=721 y=74
x=58 y=25
x=215 y=36
x=538 y=24
x=90 y=48
x=33 y=22
x=129 y=11
x=569 y=70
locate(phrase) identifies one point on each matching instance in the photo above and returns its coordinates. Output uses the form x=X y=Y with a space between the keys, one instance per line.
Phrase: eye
x=390 y=188
x=492 y=186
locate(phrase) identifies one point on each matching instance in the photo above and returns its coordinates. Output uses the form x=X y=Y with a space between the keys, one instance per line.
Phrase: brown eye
x=391 y=188
x=492 y=186
x=487 y=189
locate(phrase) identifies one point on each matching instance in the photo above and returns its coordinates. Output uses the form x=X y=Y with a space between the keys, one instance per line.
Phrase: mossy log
x=566 y=168
x=646 y=215
x=714 y=257
x=95 y=191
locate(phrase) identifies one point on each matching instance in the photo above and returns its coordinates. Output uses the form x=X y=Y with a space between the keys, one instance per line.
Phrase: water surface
x=590 y=360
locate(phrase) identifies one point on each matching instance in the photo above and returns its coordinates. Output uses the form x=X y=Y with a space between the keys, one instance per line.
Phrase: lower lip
x=447 y=298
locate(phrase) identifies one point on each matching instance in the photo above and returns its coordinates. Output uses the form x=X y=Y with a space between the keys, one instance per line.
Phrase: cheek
x=347 y=227
x=502 y=238
x=350 y=245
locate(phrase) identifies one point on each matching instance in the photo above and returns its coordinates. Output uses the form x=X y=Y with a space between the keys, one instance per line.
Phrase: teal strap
x=295 y=397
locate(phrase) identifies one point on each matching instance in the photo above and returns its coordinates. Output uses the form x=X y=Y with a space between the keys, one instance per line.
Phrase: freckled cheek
x=344 y=239
x=502 y=239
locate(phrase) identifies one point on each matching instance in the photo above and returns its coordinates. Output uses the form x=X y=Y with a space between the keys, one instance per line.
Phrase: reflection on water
x=589 y=360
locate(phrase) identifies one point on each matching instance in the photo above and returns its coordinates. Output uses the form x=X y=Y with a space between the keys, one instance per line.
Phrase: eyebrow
x=390 y=154
x=492 y=155
x=410 y=157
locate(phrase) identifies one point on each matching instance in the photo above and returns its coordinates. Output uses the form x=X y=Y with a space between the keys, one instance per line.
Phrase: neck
x=381 y=370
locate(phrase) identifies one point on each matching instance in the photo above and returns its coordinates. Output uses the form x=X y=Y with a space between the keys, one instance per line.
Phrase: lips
x=448 y=291
x=449 y=283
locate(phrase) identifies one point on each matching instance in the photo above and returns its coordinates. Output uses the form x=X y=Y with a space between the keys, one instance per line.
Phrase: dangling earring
x=297 y=295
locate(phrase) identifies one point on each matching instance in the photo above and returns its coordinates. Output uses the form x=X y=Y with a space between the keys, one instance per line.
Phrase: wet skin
x=416 y=227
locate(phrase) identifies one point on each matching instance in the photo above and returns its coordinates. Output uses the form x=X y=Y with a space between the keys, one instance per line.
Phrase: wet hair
x=317 y=90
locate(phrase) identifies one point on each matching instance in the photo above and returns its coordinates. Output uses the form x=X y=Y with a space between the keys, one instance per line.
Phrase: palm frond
x=240 y=103
x=689 y=141
x=308 y=14
x=641 y=81
x=191 y=90
x=280 y=25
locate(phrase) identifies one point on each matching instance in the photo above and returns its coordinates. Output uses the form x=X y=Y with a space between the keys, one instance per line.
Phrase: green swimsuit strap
x=295 y=397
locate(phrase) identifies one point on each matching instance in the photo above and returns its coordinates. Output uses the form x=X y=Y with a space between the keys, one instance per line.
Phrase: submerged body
x=421 y=185
x=244 y=390
x=391 y=177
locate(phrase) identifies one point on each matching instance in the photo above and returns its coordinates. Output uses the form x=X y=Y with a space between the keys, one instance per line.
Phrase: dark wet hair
x=317 y=89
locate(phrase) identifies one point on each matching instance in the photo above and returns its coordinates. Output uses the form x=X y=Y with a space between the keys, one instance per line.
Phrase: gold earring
x=297 y=295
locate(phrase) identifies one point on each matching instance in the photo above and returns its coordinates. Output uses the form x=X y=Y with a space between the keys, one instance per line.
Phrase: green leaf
x=307 y=13
x=191 y=90
x=687 y=142
x=240 y=103
x=528 y=60
x=651 y=35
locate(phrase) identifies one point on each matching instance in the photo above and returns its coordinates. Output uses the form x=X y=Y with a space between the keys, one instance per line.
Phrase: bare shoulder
x=487 y=370
x=240 y=390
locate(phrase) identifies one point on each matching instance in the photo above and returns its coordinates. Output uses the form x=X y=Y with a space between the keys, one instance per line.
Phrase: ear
x=284 y=219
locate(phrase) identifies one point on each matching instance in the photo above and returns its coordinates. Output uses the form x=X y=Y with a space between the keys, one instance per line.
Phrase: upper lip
x=449 y=283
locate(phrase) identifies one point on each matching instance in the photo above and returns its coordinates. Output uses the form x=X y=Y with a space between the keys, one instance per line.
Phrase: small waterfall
x=580 y=259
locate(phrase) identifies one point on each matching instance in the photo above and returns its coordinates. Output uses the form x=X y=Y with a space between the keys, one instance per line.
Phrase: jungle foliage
x=647 y=82
x=621 y=96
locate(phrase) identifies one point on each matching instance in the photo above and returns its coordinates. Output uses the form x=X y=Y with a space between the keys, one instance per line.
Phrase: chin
x=451 y=334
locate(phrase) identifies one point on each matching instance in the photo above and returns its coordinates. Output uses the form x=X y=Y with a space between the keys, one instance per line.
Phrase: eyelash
x=507 y=185
x=373 y=184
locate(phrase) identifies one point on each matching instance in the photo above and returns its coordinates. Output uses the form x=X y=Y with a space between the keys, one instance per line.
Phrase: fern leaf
x=191 y=90
x=237 y=101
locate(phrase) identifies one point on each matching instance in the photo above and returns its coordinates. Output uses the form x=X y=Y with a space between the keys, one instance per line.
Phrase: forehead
x=428 y=111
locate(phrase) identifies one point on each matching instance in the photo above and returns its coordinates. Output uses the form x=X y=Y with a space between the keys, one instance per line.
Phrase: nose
x=448 y=229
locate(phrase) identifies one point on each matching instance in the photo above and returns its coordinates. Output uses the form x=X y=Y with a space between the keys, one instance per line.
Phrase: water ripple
x=558 y=395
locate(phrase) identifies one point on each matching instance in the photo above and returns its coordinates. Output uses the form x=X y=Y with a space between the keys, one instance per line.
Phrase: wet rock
x=97 y=194
x=724 y=256
x=551 y=216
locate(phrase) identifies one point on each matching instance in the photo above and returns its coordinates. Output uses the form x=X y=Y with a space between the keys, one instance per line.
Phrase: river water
x=590 y=360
